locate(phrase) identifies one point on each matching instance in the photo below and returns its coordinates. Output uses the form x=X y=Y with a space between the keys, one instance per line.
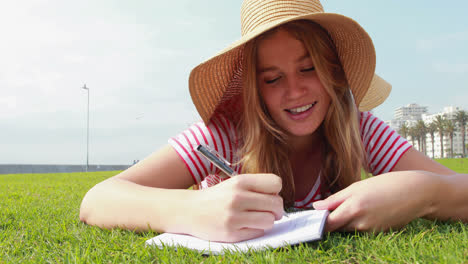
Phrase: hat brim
x=378 y=91
x=209 y=81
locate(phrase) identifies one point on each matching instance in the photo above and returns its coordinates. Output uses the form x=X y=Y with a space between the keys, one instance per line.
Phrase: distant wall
x=35 y=168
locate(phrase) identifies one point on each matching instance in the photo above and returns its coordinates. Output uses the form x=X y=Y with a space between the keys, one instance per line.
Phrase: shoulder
x=222 y=125
x=365 y=118
x=383 y=145
x=219 y=134
x=370 y=124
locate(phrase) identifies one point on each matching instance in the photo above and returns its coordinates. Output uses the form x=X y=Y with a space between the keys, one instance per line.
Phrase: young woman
x=286 y=105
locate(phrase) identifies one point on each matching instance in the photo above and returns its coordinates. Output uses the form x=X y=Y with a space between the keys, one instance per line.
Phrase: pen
x=219 y=162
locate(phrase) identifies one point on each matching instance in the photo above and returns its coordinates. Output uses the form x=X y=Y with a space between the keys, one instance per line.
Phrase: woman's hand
x=237 y=209
x=383 y=202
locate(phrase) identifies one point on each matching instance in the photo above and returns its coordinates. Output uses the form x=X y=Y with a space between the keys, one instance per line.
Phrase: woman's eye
x=272 y=80
x=308 y=69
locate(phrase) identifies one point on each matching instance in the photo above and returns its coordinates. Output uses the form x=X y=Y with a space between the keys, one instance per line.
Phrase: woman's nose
x=295 y=88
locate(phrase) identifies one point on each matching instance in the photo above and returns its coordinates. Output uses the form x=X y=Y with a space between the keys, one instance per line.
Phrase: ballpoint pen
x=219 y=162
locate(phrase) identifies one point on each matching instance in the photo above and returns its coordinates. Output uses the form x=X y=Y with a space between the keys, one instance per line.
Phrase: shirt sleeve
x=218 y=135
x=384 y=147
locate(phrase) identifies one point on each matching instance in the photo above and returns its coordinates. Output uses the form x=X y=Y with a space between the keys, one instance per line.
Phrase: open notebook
x=302 y=226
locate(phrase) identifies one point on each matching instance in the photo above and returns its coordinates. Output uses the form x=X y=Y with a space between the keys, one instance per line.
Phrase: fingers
x=262 y=183
x=257 y=192
x=258 y=220
x=249 y=204
x=339 y=218
x=339 y=205
x=253 y=201
x=333 y=201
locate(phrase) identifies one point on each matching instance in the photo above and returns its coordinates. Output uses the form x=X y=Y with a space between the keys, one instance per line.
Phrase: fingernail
x=317 y=204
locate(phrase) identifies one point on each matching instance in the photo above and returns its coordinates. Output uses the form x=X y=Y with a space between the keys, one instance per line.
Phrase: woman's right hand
x=237 y=209
x=143 y=197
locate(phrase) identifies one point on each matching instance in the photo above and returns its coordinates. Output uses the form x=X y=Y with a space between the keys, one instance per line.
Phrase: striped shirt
x=384 y=148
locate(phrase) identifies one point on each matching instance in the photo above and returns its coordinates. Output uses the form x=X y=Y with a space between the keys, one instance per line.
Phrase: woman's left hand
x=380 y=203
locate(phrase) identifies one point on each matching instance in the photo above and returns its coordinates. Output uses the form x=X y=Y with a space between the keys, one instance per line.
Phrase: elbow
x=89 y=206
x=85 y=209
x=96 y=207
x=83 y=217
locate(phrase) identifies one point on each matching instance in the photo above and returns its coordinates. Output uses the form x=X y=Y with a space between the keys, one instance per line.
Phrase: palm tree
x=403 y=130
x=413 y=133
x=450 y=130
x=462 y=119
x=422 y=130
x=440 y=124
x=431 y=129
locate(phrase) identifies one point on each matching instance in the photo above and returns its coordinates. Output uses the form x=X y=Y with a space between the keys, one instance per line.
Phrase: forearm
x=451 y=199
x=121 y=203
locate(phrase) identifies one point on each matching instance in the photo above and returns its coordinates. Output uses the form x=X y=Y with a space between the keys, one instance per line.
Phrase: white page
x=299 y=227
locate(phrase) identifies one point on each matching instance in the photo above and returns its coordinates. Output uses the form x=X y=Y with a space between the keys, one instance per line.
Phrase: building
x=410 y=115
x=449 y=113
x=410 y=112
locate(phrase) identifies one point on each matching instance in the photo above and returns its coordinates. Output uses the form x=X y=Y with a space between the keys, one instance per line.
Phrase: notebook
x=298 y=227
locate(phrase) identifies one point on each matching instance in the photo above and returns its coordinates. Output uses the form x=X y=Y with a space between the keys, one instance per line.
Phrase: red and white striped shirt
x=384 y=148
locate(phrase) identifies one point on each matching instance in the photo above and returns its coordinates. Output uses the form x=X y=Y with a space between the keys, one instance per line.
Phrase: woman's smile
x=301 y=112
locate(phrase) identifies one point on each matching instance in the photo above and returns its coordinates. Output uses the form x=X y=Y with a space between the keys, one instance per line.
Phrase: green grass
x=458 y=165
x=39 y=224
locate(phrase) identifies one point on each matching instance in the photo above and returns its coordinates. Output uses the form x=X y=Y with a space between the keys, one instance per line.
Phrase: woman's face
x=289 y=85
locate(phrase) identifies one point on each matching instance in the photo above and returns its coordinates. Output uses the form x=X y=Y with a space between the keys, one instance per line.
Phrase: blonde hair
x=264 y=144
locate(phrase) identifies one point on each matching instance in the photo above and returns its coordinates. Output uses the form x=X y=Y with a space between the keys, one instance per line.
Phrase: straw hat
x=215 y=85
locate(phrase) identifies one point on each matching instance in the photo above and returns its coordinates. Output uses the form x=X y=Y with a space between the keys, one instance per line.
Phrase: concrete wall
x=33 y=168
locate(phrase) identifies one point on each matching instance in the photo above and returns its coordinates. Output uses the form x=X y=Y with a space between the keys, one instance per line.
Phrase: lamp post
x=87 y=133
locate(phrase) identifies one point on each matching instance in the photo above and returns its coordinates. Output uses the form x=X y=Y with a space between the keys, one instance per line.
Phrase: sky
x=135 y=57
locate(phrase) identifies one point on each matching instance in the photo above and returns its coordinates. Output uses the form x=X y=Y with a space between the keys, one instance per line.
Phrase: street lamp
x=87 y=134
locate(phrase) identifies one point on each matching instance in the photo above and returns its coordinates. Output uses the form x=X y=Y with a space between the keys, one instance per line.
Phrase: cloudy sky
x=135 y=57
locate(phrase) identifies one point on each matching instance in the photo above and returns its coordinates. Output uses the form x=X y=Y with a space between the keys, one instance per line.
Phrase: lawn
x=39 y=224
